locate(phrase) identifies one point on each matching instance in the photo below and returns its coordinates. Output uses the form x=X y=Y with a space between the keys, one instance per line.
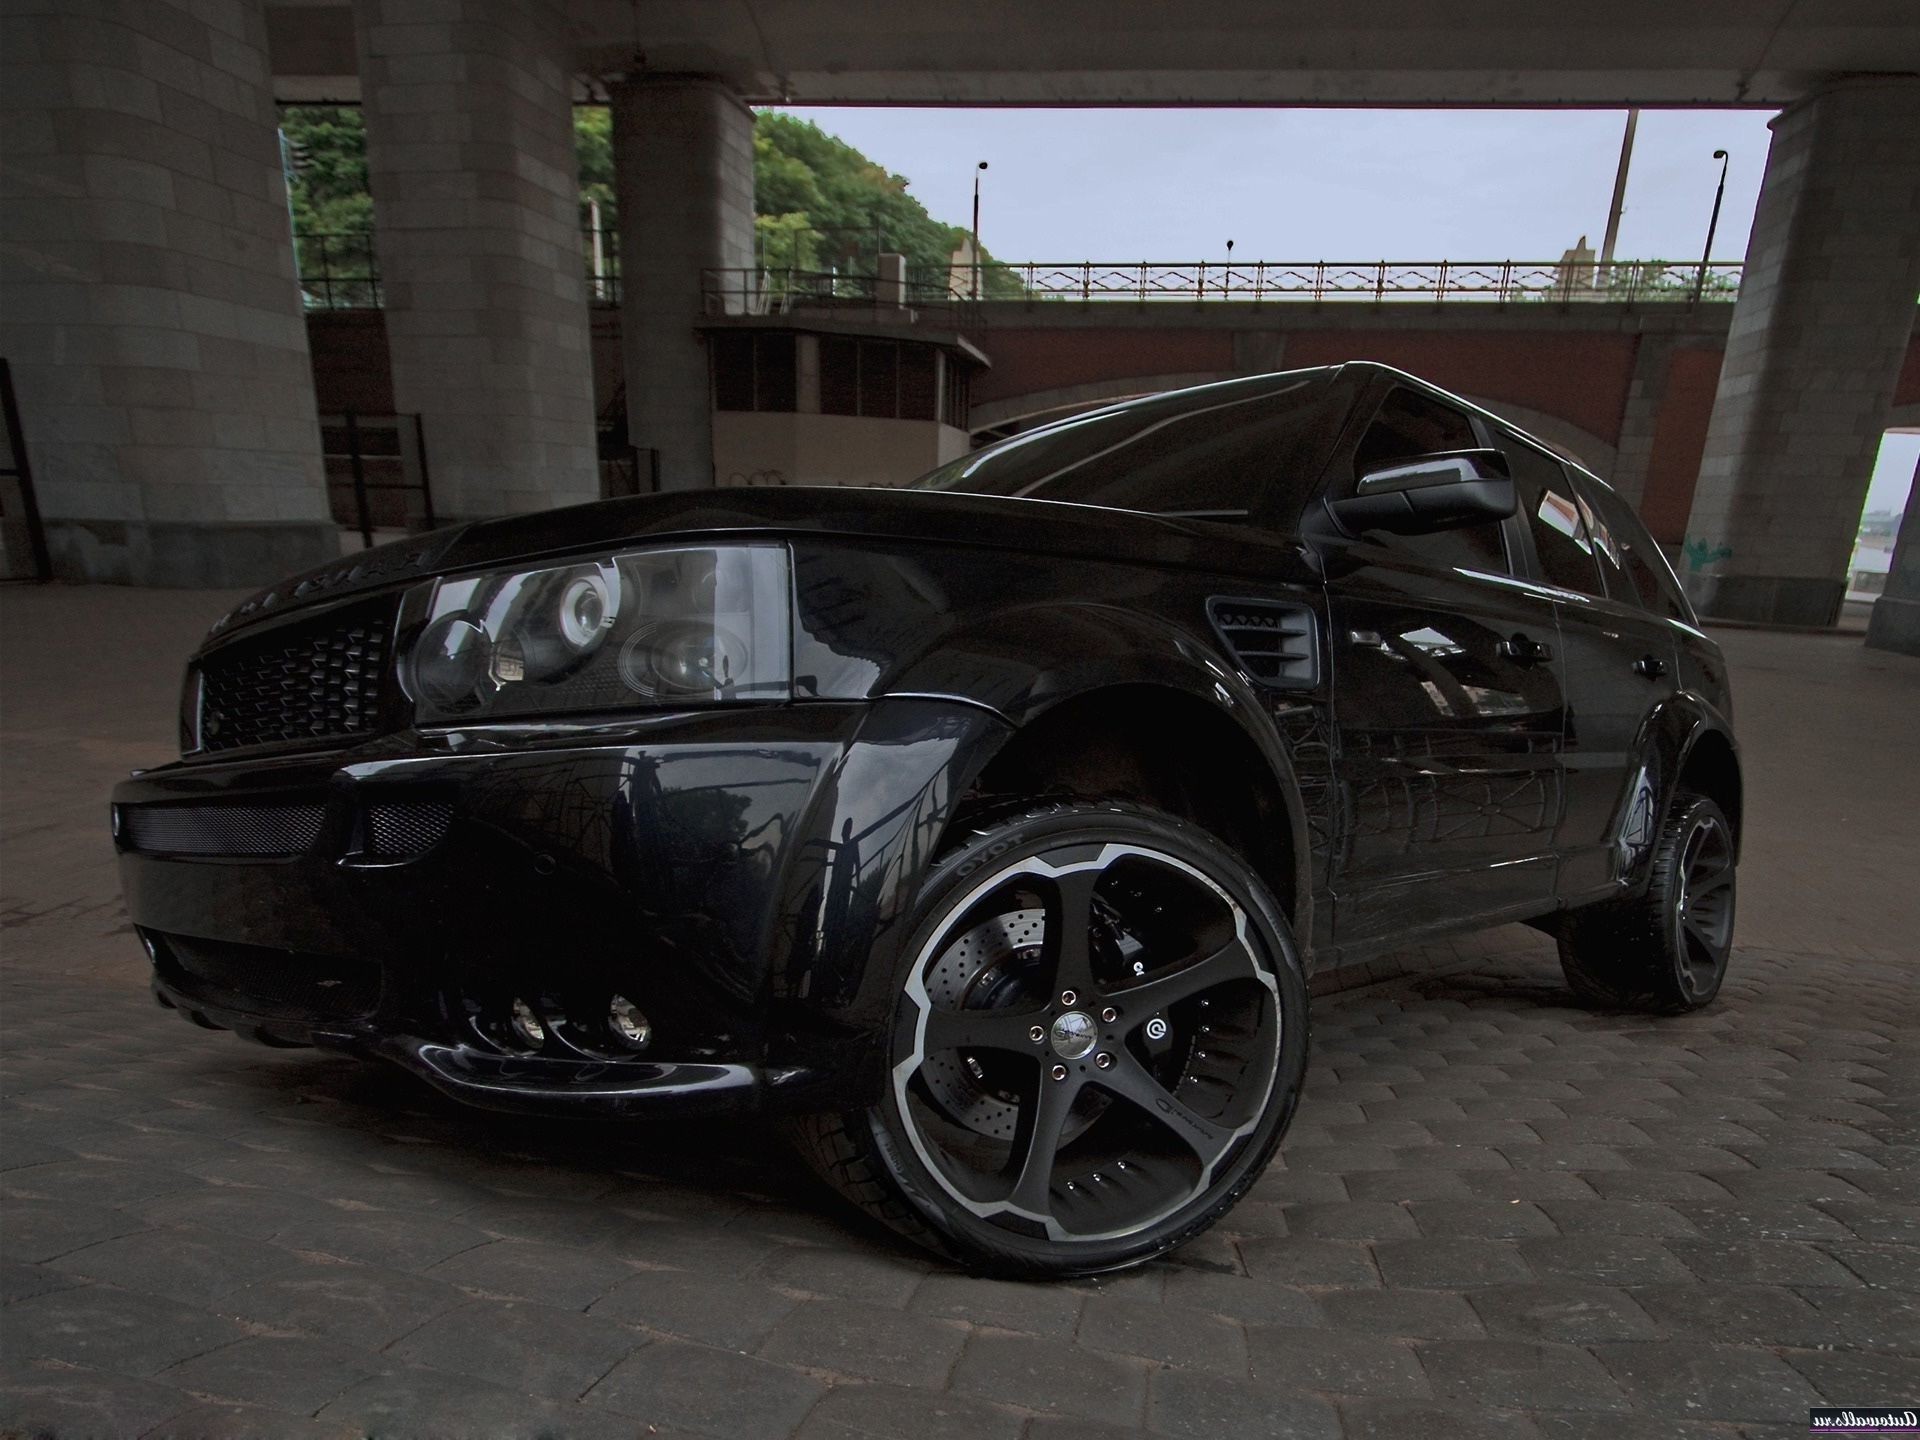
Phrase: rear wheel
x=1667 y=951
x=1098 y=1039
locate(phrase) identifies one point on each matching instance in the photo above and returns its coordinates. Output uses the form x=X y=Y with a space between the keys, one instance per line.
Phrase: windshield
x=1212 y=452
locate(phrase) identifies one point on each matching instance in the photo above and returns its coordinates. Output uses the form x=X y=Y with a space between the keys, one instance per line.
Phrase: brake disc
x=977 y=969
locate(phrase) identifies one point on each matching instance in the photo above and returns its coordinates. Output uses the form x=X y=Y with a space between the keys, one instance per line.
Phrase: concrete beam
x=1236 y=52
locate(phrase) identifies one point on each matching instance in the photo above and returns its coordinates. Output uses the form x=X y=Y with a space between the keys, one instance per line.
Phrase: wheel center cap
x=1073 y=1035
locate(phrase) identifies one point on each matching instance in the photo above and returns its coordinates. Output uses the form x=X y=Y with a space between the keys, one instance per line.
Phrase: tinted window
x=1216 y=451
x=1562 y=547
x=1411 y=423
x=1636 y=570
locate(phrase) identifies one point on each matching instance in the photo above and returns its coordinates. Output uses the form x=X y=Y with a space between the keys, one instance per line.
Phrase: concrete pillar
x=151 y=311
x=683 y=171
x=476 y=202
x=1895 y=621
x=1816 y=344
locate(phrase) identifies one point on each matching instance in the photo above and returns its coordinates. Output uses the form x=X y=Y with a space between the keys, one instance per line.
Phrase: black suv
x=984 y=829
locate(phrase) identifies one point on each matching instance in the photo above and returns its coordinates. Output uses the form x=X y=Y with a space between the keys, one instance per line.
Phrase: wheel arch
x=1710 y=764
x=1231 y=777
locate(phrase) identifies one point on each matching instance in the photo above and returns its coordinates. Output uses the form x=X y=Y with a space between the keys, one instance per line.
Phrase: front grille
x=259 y=830
x=271 y=984
x=401 y=828
x=318 y=681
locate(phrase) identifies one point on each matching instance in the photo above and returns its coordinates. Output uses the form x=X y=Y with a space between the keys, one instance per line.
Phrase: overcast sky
x=1176 y=185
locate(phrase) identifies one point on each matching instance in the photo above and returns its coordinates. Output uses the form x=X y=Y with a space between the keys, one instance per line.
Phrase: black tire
x=973 y=1106
x=1666 y=952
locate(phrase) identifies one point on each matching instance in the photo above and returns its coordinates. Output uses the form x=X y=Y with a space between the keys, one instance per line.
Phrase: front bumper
x=740 y=876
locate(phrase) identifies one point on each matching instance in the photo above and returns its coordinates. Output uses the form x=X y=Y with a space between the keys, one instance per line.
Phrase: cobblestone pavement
x=1497 y=1215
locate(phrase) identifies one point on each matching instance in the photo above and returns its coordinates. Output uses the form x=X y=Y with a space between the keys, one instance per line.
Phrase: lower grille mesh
x=222 y=829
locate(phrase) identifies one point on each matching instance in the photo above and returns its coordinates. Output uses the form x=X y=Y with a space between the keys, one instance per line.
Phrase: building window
x=754 y=371
x=887 y=379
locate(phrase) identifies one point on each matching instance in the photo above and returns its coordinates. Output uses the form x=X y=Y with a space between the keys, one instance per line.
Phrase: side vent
x=1278 y=644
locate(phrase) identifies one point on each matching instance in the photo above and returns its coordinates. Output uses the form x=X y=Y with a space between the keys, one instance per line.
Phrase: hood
x=1038 y=527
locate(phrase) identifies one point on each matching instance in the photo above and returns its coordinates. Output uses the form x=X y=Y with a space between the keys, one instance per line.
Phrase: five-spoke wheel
x=1097 y=1043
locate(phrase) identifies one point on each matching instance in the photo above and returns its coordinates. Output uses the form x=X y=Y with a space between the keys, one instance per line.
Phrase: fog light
x=527 y=1025
x=628 y=1023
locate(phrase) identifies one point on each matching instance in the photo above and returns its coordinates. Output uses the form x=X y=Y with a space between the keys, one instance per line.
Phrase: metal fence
x=377 y=476
x=1378 y=281
x=339 y=271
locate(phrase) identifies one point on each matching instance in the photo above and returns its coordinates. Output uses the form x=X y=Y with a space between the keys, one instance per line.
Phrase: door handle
x=1651 y=666
x=1522 y=651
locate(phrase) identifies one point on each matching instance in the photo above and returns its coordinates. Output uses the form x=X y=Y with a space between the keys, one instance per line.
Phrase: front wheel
x=1098 y=1039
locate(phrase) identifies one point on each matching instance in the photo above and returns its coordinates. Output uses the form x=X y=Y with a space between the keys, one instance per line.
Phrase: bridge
x=163 y=368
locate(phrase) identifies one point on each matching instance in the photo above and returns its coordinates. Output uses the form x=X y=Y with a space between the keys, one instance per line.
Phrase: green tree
x=329 y=152
x=818 y=202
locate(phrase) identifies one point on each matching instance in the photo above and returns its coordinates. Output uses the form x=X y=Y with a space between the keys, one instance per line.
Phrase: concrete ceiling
x=1220 y=52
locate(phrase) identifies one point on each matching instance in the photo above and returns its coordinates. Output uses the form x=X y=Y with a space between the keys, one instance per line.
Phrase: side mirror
x=1447 y=490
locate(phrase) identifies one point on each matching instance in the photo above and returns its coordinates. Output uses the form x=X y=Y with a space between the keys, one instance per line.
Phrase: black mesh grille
x=221 y=829
x=323 y=680
x=272 y=984
x=406 y=829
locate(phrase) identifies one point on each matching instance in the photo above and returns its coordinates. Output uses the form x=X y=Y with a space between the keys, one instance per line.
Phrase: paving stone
x=287 y=1373
x=111 y=1330
x=850 y=1274
x=1761 y=1262
x=1405 y=1420
x=1163 y=1334
x=356 y=1303
x=548 y=1274
x=1240 y=1297
x=857 y=1411
x=712 y=1309
x=1618 y=1217
x=1606 y=1259
x=44 y=1399
x=1295 y=1261
x=1689 y=1380
x=1854 y=1378
x=705 y=1391
x=1889 y=1267
x=1563 y=1312
x=21 y=1282
x=1334 y=1362
x=535 y=1349
x=394 y=1402
x=1351 y=1220
x=1761 y=1315
x=376 y=1237
x=1051 y=1377
x=844 y=1337
x=1870 y=1319
x=1435 y=1314
x=1032 y=1308
x=1518 y=1374
x=1481 y=1219
x=218 y=1420
x=1443 y=1264
x=1186 y=1404
x=177 y=1264
x=40 y=1230
x=1399 y=1187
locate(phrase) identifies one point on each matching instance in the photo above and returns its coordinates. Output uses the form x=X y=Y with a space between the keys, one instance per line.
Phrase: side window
x=1410 y=423
x=1642 y=574
x=1561 y=544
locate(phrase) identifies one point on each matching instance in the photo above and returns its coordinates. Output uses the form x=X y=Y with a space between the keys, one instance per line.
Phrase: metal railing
x=1378 y=281
x=377 y=478
x=339 y=271
x=786 y=292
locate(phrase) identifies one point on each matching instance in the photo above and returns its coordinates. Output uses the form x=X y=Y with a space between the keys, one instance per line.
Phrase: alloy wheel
x=1085 y=1041
x=1703 y=913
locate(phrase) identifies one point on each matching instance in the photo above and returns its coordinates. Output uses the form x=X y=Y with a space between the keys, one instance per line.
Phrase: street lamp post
x=976 y=228
x=1706 y=256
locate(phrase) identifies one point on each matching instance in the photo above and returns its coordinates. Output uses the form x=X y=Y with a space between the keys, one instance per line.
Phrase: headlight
x=691 y=625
